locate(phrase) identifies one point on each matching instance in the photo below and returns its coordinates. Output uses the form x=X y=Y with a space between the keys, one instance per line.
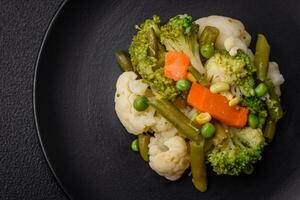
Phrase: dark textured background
x=24 y=173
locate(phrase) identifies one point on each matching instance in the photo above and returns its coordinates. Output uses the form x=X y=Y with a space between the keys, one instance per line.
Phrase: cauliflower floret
x=276 y=77
x=168 y=155
x=233 y=44
x=127 y=90
x=233 y=35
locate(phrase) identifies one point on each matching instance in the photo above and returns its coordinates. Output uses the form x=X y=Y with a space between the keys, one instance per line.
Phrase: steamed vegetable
x=255 y=105
x=198 y=166
x=143 y=142
x=209 y=36
x=217 y=106
x=243 y=147
x=148 y=59
x=140 y=103
x=176 y=117
x=168 y=156
x=135 y=145
x=183 y=85
x=194 y=94
x=207 y=50
x=262 y=54
x=223 y=67
x=273 y=104
x=176 y=65
x=208 y=130
x=124 y=61
x=270 y=129
x=180 y=34
x=200 y=78
x=228 y=28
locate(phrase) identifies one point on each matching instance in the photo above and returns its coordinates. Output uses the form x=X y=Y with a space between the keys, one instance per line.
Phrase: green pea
x=208 y=130
x=207 y=50
x=183 y=85
x=248 y=170
x=140 y=103
x=253 y=121
x=135 y=145
x=261 y=90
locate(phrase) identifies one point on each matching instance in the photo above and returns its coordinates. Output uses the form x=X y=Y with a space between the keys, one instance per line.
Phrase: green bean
x=143 y=141
x=199 y=77
x=124 y=60
x=153 y=43
x=209 y=35
x=134 y=145
x=273 y=104
x=220 y=134
x=269 y=130
x=262 y=54
x=177 y=118
x=198 y=165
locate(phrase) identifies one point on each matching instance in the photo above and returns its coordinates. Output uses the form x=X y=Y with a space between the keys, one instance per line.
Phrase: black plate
x=83 y=140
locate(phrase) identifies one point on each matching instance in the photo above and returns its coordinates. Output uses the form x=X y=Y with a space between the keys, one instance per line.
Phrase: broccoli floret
x=242 y=148
x=255 y=105
x=247 y=85
x=226 y=68
x=245 y=57
x=151 y=68
x=180 y=34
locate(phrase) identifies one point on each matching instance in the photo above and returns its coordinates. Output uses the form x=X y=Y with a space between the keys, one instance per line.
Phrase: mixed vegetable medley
x=194 y=94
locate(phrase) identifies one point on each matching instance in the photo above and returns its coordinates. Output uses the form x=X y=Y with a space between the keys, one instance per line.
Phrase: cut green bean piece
x=270 y=129
x=198 y=166
x=273 y=105
x=199 y=77
x=124 y=61
x=209 y=35
x=177 y=118
x=134 y=145
x=261 y=59
x=153 y=43
x=143 y=141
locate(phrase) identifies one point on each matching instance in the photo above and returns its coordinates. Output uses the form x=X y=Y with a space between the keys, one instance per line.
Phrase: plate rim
x=34 y=85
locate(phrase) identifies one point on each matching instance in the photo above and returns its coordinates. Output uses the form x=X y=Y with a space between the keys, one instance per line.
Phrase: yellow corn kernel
x=191 y=77
x=234 y=101
x=219 y=87
x=203 y=118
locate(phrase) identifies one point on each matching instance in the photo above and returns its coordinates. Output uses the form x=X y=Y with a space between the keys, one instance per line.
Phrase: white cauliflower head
x=127 y=90
x=276 y=77
x=233 y=35
x=168 y=155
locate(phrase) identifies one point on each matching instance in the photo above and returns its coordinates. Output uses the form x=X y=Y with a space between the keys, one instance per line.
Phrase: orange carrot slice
x=176 y=65
x=217 y=106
